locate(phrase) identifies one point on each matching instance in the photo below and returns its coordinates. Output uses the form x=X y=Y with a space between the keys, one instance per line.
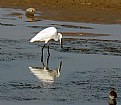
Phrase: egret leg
x=48 y=61
x=43 y=64
x=48 y=51
x=42 y=53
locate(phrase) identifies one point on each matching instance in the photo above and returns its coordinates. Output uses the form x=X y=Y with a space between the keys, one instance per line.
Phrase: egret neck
x=60 y=38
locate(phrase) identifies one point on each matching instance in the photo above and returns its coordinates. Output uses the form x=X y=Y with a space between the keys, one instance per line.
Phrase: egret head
x=60 y=38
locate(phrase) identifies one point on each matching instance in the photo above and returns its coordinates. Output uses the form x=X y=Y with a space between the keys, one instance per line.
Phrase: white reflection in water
x=45 y=74
x=30 y=18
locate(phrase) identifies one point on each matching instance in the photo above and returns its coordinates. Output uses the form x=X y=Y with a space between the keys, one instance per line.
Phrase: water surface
x=90 y=64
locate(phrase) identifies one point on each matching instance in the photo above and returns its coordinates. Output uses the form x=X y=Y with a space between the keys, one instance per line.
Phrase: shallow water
x=90 y=64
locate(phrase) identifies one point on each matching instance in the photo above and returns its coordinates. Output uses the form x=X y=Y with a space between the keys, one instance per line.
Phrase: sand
x=98 y=11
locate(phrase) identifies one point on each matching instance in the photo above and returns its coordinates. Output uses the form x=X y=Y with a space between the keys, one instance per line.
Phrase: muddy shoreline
x=92 y=11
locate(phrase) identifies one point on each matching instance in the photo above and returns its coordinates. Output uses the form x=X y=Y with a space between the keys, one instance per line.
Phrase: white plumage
x=47 y=34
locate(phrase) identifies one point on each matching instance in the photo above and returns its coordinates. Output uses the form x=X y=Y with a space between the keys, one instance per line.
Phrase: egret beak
x=61 y=43
x=60 y=38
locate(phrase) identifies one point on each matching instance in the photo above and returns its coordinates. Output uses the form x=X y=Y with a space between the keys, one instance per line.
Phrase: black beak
x=61 y=43
x=60 y=66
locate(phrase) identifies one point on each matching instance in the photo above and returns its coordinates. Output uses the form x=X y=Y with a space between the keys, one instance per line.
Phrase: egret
x=46 y=35
x=112 y=94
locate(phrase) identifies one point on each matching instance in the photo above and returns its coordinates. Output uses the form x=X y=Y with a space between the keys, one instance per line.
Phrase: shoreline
x=91 y=11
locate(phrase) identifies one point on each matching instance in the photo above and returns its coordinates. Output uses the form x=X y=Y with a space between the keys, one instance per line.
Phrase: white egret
x=46 y=35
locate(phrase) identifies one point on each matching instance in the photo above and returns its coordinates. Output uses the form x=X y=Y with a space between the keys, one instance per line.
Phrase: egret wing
x=45 y=35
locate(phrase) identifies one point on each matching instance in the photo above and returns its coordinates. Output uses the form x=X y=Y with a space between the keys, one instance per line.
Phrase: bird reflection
x=44 y=73
x=30 y=18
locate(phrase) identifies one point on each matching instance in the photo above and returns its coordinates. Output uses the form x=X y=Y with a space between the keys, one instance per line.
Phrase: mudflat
x=91 y=58
x=94 y=11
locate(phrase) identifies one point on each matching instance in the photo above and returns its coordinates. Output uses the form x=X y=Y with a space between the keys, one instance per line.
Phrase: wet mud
x=16 y=49
x=93 y=46
x=98 y=11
